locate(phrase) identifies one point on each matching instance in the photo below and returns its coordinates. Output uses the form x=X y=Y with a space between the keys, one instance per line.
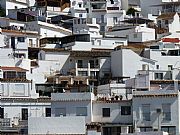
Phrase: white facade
x=94 y=110
x=13 y=109
x=158 y=110
x=139 y=33
x=148 y=8
x=123 y=60
x=47 y=30
x=8 y=4
x=56 y=125
x=174 y=26
x=78 y=8
x=17 y=90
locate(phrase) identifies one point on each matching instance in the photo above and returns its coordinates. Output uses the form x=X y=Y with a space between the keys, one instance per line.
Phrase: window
x=135 y=35
x=24 y=113
x=1 y=113
x=125 y=110
x=102 y=18
x=19 y=55
x=166 y=22
x=21 y=75
x=97 y=62
x=80 y=5
x=93 y=42
x=80 y=64
x=91 y=63
x=9 y=74
x=60 y=112
x=112 y=1
x=21 y=39
x=99 y=42
x=30 y=42
x=82 y=73
x=81 y=111
x=13 y=46
x=158 y=76
x=170 y=129
x=170 y=67
x=157 y=66
x=146 y=112
x=106 y=112
x=19 y=90
x=79 y=21
x=115 y=19
x=166 y=110
x=80 y=15
x=1 y=89
x=48 y=112
x=146 y=129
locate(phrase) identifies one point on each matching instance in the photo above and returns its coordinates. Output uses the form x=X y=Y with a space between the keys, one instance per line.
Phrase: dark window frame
x=125 y=110
x=106 y=112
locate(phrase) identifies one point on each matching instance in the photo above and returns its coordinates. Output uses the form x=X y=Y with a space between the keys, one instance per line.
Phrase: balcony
x=86 y=68
x=6 y=122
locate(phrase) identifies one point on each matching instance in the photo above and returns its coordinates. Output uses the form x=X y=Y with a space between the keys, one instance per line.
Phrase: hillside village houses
x=89 y=67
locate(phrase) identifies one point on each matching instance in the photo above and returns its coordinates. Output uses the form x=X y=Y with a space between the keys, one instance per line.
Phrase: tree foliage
x=2 y=12
x=131 y=11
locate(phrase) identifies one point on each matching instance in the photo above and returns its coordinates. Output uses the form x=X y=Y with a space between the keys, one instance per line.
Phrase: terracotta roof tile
x=167 y=16
x=13 y=69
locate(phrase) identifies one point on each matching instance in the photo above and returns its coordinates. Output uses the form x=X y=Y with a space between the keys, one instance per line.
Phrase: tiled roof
x=17 y=32
x=15 y=80
x=13 y=69
x=167 y=16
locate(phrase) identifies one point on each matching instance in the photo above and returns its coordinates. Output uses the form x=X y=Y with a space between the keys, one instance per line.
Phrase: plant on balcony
x=2 y=12
x=131 y=11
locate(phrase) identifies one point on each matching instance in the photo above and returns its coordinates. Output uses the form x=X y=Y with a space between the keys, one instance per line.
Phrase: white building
x=15 y=4
x=47 y=30
x=139 y=33
x=156 y=110
x=83 y=64
x=110 y=114
x=56 y=125
x=123 y=60
x=169 y=21
x=78 y=8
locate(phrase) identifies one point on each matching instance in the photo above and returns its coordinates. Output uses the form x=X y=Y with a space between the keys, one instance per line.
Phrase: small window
x=79 y=21
x=166 y=109
x=112 y=1
x=60 y=112
x=106 y=112
x=1 y=113
x=146 y=129
x=21 y=39
x=166 y=22
x=115 y=19
x=80 y=63
x=81 y=111
x=146 y=113
x=135 y=35
x=80 y=15
x=125 y=110
x=170 y=67
x=157 y=66
x=158 y=76
x=48 y=112
x=80 y=5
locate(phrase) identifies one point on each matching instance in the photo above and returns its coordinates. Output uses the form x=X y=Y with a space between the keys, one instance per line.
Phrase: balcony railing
x=6 y=122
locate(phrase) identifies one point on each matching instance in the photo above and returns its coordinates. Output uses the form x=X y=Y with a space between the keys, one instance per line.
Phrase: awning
x=172 y=40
